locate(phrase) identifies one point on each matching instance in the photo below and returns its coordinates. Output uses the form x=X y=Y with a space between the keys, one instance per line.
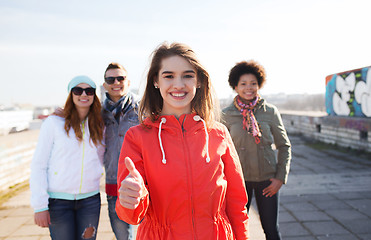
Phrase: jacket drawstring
x=163 y=120
x=198 y=118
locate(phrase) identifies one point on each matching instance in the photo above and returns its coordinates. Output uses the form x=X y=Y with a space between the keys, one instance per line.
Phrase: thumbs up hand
x=132 y=189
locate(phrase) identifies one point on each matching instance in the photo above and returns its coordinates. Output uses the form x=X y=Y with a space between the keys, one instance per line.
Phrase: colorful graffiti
x=349 y=93
x=360 y=124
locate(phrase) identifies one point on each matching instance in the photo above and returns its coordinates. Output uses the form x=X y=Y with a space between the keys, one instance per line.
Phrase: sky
x=44 y=43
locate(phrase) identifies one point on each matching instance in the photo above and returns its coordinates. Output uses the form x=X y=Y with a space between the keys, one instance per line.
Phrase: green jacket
x=260 y=161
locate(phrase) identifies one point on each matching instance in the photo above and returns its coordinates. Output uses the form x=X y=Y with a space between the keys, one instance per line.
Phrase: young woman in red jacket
x=179 y=174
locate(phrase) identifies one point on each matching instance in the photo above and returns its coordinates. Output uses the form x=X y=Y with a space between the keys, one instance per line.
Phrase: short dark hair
x=249 y=67
x=114 y=65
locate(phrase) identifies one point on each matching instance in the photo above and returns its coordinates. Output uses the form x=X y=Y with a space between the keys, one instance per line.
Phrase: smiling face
x=83 y=100
x=177 y=83
x=247 y=87
x=119 y=88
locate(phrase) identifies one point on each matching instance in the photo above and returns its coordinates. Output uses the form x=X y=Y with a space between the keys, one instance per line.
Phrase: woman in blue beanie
x=67 y=166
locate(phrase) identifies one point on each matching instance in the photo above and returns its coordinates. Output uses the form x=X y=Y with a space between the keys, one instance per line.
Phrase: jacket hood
x=186 y=122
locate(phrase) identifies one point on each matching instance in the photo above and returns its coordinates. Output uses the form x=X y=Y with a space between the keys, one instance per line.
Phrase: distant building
x=14 y=120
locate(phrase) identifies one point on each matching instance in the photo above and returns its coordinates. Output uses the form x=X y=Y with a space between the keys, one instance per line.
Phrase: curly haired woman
x=256 y=127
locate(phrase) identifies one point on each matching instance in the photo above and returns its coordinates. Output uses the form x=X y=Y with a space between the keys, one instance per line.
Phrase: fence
x=349 y=132
x=15 y=165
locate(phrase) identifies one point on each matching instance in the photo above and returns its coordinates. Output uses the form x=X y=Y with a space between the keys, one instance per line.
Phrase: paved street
x=328 y=196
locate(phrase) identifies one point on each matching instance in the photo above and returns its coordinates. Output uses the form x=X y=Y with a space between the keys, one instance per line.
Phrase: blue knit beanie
x=80 y=79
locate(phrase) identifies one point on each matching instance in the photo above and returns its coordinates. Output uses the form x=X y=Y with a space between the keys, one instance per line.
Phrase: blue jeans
x=121 y=229
x=267 y=207
x=74 y=219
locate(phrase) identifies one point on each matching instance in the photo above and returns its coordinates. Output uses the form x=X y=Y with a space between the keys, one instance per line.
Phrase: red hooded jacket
x=194 y=179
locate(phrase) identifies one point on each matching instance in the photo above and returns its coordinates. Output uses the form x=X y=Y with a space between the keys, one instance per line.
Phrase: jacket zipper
x=190 y=182
x=83 y=154
x=183 y=130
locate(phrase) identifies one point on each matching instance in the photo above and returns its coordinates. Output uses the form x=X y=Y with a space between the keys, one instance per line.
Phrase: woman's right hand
x=42 y=219
x=132 y=189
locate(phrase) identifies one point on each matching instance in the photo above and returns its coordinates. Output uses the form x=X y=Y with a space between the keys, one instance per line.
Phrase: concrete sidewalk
x=16 y=221
x=328 y=196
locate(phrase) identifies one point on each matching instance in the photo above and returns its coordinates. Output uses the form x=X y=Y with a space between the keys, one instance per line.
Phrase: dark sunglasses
x=111 y=80
x=78 y=91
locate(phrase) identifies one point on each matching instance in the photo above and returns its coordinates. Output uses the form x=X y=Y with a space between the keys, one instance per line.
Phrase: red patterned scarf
x=249 y=121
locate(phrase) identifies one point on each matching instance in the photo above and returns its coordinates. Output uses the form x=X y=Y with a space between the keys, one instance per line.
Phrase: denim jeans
x=74 y=219
x=121 y=229
x=267 y=207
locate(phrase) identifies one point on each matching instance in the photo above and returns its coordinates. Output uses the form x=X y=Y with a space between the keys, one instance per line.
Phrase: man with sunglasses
x=119 y=114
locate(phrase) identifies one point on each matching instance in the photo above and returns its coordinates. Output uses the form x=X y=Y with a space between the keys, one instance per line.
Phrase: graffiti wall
x=349 y=93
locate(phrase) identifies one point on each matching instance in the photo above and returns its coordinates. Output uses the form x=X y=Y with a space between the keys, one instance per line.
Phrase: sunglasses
x=78 y=91
x=111 y=80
